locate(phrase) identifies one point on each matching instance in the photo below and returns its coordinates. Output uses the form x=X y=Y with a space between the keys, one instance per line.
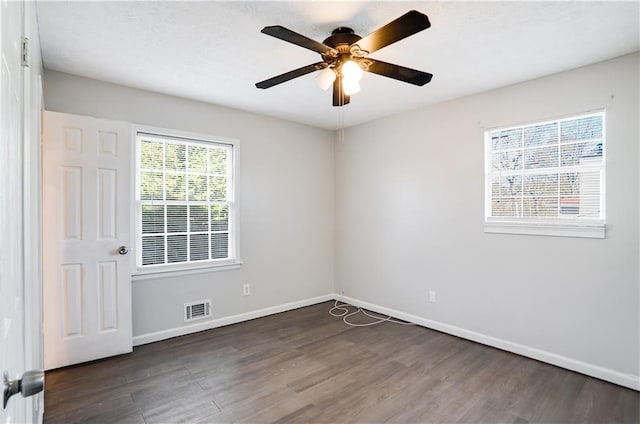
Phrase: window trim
x=539 y=228
x=562 y=227
x=177 y=269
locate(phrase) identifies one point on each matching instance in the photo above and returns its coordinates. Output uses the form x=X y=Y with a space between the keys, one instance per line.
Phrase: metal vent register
x=197 y=310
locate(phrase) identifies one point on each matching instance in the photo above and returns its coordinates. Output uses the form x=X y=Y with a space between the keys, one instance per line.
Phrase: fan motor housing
x=341 y=36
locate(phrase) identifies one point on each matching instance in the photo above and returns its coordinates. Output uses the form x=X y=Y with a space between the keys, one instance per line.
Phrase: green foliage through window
x=184 y=189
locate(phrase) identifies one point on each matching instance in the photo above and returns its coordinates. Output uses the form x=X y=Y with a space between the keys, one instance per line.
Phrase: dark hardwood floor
x=308 y=367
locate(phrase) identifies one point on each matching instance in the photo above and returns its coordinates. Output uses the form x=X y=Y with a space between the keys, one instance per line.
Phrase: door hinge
x=25 y=52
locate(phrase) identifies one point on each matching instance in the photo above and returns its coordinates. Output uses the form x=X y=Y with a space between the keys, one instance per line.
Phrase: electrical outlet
x=432 y=296
x=246 y=290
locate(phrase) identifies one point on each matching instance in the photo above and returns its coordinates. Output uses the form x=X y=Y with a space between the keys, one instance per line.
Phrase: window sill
x=591 y=230
x=167 y=273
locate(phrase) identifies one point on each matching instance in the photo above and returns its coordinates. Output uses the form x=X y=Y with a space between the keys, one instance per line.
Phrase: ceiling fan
x=344 y=56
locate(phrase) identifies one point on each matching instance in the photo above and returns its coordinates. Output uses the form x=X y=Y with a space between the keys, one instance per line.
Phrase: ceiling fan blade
x=406 y=25
x=339 y=98
x=291 y=75
x=286 y=34
x=400 y=73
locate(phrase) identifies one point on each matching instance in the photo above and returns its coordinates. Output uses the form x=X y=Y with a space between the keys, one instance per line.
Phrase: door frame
x=32 y=194
x=28 y=171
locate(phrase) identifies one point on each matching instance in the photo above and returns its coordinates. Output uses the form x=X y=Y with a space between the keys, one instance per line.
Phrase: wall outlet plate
x=432 y=296
x=246 y=290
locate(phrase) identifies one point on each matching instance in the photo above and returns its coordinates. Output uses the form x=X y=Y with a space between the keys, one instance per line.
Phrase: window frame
x=552 y=226
x=141 y=272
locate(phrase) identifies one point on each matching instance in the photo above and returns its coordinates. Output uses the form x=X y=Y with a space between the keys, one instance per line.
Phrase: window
x=185 y=202
x=547 y=178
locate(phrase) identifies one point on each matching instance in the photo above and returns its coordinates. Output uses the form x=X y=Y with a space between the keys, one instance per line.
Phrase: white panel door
x=86 y=220
x=12 y=348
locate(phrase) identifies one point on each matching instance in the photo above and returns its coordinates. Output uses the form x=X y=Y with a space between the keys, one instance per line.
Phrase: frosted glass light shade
x=351 y=71
x=325 y=78
x=350 y=86
x=351 y=76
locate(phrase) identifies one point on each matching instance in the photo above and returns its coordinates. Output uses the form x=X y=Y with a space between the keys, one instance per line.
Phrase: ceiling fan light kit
x=325 y=78
x=351 y=76
x=344 y=56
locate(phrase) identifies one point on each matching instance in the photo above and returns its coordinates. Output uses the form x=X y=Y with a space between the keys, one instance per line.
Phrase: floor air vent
x=197 y=310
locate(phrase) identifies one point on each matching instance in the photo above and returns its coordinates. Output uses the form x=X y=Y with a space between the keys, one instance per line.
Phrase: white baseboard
x=220 y=322
x=627 y=380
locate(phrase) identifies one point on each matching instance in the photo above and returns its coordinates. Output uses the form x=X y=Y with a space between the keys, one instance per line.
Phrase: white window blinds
x=185 y=200
x=547 y=172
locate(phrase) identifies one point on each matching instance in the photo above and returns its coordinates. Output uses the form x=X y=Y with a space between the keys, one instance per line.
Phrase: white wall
x=286 y=201
x=409 y=219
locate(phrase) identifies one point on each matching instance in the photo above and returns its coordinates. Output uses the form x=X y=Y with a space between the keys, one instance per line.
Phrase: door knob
x=32 y=382
x=123 y=250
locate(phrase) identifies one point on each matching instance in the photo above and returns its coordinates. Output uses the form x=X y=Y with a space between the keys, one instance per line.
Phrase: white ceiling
x=214 y=51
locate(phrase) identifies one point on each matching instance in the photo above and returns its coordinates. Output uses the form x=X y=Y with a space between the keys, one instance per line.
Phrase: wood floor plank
x=305 y=366
x=487 y=411
x=306 y=414
x=60 y=402
x=110 y=413
x=286 y=407
x=91 y=371
x=409 y=395
x=365 y=394
x=197 y=406
x=151 y=397
x=88 y=412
